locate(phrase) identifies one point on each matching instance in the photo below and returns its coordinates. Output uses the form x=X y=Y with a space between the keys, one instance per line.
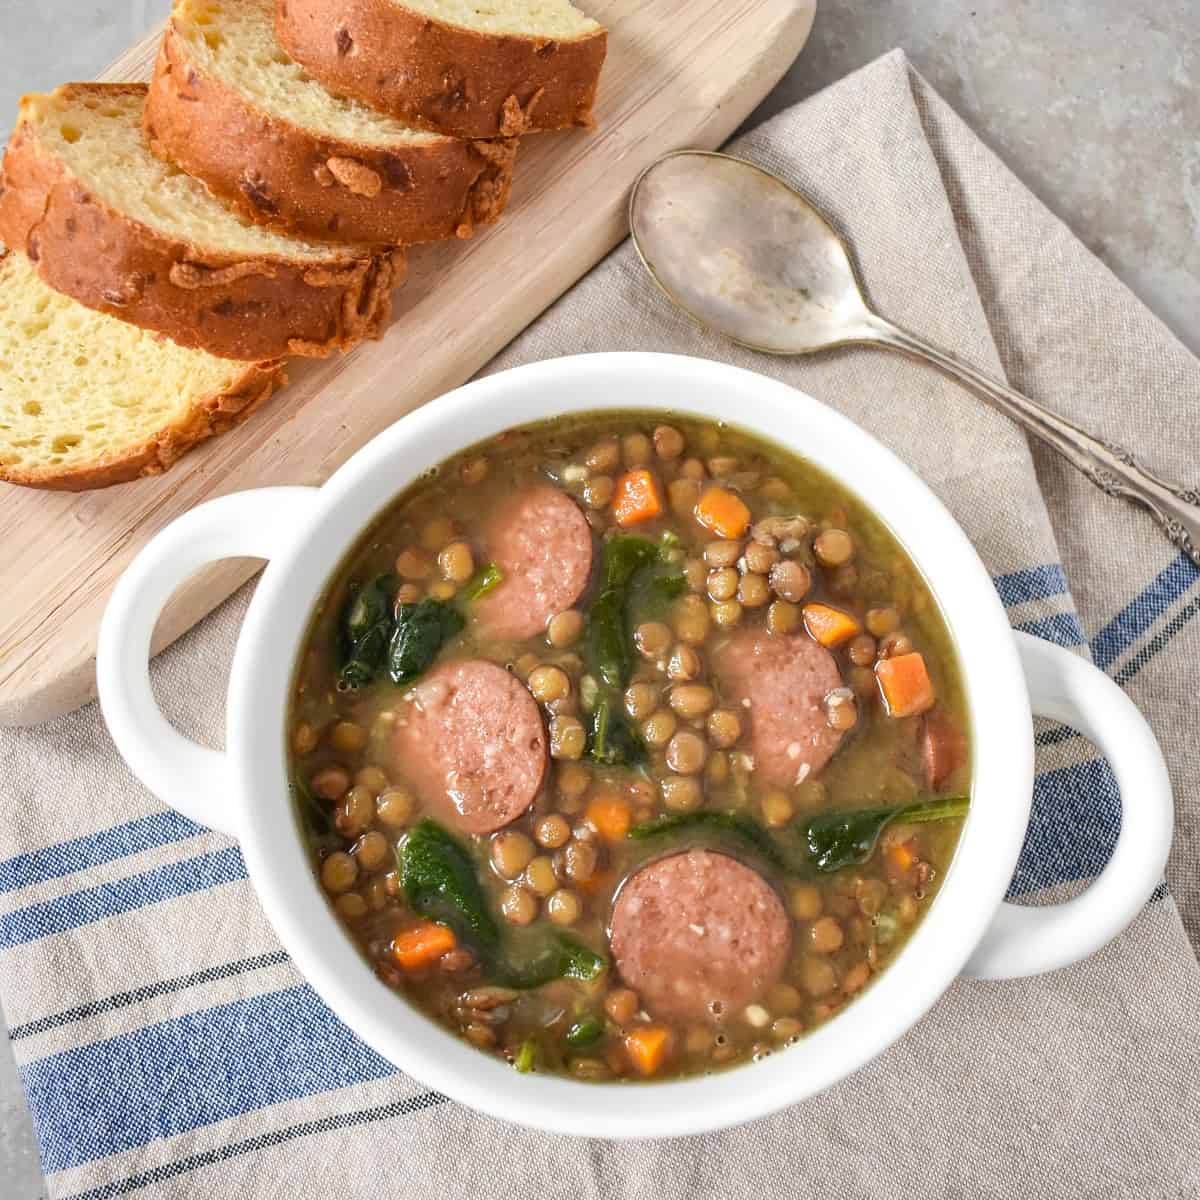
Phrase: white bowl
x=305 y=533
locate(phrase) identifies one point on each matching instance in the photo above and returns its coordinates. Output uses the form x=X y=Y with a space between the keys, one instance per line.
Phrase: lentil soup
x=629 y=749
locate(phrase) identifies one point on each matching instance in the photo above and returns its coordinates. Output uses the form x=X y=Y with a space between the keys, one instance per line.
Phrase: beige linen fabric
x=1080 y=1083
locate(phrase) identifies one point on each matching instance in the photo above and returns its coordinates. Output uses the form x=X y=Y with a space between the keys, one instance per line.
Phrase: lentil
x=567 y=737
x=304 y=738
x=684 y=664
x=551 y=831
x=636 y=449
x=833 y=547
x=338 y=873
x=563 y=907
x=681 y=793
x=691 y=700
x=511 y=853
x=395 y=807
x=346 y=737
x=564 y=628
x=548 y=684
x=330 y=783
x=518 y=906
x=790 y=580
x=686 y=753
x=652 y=638
x=668 y=442
x=724 y=728
x=373 y=851
x=783 y=617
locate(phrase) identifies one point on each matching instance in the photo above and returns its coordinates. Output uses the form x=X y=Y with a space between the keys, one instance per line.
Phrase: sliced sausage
x=542 y=543
x=943 y=748
x=699 y=936
x=785 y=679
x=472 y=743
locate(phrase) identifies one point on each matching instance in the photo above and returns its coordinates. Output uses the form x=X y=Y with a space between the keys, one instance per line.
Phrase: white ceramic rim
x=276 y=856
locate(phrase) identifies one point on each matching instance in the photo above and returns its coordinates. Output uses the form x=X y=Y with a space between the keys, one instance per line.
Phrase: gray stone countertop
x=1094 y=103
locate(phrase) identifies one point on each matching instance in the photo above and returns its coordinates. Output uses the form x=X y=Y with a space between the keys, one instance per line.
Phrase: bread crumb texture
x=520 y=18
x=79 y=389
x=97 y=134
x=234 y=42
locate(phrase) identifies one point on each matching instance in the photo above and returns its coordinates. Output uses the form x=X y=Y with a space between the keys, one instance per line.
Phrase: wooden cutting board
x=679 y=73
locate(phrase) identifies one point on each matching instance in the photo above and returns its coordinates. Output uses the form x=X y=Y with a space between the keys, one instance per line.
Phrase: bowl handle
x=188 y=776
x=1026 y=940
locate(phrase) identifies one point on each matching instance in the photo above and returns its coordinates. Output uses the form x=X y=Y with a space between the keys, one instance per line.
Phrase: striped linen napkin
x=169 y=1047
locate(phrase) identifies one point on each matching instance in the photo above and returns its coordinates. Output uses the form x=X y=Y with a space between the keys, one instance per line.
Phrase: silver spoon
x=742 y=252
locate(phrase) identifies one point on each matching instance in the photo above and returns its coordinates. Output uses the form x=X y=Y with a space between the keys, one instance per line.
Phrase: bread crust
x=323 y=188
x=232 y=307
x=440 y=76
x=209 y=415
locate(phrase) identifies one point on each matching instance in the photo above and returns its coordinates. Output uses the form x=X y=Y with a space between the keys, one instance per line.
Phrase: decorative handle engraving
x=1112 y=468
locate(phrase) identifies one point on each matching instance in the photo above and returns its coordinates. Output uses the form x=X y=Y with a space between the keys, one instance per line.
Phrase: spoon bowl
x=747 y=255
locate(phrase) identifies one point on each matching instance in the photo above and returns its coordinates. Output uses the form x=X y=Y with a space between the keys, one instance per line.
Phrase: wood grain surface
x=679 y=73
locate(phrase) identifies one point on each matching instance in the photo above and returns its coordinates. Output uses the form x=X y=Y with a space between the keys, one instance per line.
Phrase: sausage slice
x=471 y=741
x=785 y=679
x=699 y=936
x=542 y=543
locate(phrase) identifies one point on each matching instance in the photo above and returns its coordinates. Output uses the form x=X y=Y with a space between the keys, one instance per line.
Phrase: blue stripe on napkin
x=1033 y=583
x=93 y=849
x=194 y=1070
x=121 y=895
x=1142 y=612
x=273 y=1137
x=139 y=995
x=1063 y=629
x=1073 y=827
x=1156 y=643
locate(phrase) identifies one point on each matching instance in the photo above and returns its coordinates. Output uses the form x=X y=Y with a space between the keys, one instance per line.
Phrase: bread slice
x=469 y=68
x=229 y=106
x=109 y=224
x=87 y=400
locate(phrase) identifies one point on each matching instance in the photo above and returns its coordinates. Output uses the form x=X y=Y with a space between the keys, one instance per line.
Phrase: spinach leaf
x=624 y=556
x=606 y=643
x=419 y=632
x=736 y=826
x=440 y=881
x=829 y=840
x=485 y=579
x=564 y=958
x=438 y=877
x=316 y=817
x=837 y=839
x=612 y=739
x=608 y=654
x=584 y=1033
x=670 y=587
x=526 y=1057
x=365 y=628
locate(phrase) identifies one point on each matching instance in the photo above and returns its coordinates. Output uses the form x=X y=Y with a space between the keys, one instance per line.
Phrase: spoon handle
x=1112 y=468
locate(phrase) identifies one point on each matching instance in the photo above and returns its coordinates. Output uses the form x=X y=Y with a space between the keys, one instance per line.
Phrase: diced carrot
x=647 y=1047
x=903 y=856
x=830 y=626
x=636 y=498
x=422 y=944
x=723 y=512
x=611 y=816
x=905 y=684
